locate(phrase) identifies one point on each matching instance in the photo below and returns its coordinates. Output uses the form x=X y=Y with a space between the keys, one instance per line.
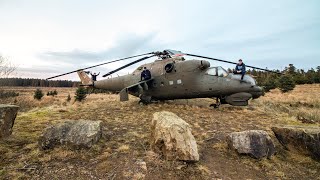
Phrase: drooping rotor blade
x=122 y=59
x=127 y=65
x=230 y=62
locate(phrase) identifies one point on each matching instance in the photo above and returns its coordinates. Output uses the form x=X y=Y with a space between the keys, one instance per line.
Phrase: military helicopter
x=173 y=77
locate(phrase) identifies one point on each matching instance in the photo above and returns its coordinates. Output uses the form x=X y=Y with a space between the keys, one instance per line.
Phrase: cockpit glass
x=222 y=72
x=212 y=71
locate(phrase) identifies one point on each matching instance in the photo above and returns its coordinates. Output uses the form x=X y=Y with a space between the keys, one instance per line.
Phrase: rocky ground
x=126 y=131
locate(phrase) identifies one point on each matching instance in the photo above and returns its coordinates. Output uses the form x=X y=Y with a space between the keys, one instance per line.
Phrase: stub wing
x=136 y=89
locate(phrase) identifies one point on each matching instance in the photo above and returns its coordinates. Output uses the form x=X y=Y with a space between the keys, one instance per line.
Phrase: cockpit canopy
x=217 y=71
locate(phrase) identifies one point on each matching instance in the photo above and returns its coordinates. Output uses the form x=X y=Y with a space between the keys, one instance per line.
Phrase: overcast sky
x=48 y=37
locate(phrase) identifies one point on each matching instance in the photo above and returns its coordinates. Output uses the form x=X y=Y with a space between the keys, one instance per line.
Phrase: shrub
x=7 y=94
x=286 y=83
x=269 y=84
x=38 y=94
x=81 y=94
x=52 y=93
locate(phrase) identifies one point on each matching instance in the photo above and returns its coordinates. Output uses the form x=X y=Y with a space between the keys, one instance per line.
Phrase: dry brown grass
x=26 y=101
x=303 y=102
x=127 y=131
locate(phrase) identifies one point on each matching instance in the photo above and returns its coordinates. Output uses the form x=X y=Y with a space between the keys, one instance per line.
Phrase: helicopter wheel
x=217 y=105
x=142 y=103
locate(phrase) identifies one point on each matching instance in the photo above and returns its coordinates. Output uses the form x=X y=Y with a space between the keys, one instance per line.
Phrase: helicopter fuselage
x=175 y=78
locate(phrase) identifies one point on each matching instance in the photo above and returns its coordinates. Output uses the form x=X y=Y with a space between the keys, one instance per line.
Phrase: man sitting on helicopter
x=240 y=69
x=145 y=74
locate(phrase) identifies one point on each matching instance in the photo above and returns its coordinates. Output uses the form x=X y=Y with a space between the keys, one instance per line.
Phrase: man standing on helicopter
x=240 y=69
x=94 y=76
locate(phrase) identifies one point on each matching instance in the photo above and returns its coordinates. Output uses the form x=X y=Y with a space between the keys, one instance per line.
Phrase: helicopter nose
x=256 y=92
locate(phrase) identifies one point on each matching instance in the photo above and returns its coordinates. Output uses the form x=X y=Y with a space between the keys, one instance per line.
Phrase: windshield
x=222 y=72
x=212 y=71
x=217 y=71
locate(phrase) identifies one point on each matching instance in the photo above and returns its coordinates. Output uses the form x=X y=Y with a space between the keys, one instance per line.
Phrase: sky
x=46 y=38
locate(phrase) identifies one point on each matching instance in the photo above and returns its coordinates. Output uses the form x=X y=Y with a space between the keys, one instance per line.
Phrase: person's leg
x=242 y=75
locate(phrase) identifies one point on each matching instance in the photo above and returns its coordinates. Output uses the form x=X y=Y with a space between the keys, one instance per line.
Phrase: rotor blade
x=229 y=62
x=98 y=65
x=127 y=65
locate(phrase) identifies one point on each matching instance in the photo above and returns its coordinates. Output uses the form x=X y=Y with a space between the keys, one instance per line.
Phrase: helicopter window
x=212 y=71
x=222 y=72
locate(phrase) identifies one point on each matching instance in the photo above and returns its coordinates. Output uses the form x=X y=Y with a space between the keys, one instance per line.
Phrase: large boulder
x=171 y=137
x=8 y=114
x=256 y=143
x=73 y=133
x=302 y=139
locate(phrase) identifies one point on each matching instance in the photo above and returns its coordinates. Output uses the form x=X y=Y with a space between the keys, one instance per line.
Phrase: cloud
x=66 y=61
x=127 y=45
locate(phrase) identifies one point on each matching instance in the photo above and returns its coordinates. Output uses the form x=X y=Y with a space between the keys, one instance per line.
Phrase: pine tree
x=286 y=83
x=38 y=94
x=269 y=84
x=81 y=94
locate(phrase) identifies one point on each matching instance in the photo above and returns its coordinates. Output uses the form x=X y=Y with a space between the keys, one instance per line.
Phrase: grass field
x=127 y=132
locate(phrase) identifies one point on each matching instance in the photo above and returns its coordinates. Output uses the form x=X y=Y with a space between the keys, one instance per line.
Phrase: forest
x=37 y=82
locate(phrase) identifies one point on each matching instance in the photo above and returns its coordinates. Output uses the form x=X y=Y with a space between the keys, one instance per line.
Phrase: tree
x=81 y=94
x=291 y=69
x=269 y=84
x=6 y=67
x=286 y=83
x=38 y=94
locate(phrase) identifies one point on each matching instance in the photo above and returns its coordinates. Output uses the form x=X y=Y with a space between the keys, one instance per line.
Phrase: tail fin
x=85 y=79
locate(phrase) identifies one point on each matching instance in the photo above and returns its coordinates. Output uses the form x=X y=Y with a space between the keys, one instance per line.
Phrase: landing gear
x=217 y=104
x=142 y=103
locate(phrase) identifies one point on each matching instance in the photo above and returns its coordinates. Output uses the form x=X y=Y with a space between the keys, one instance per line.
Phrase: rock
x=255 y=143
x=8 y=114
x=74 y=133
x=171 y=137
x=302 y=139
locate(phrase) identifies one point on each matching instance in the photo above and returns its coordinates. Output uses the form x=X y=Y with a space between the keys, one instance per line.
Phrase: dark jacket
x=241 y=68
x=145 y=74
x=94 y=76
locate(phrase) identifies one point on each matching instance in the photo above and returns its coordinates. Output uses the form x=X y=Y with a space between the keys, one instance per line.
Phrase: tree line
x=27 y=82
x=290 y=76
